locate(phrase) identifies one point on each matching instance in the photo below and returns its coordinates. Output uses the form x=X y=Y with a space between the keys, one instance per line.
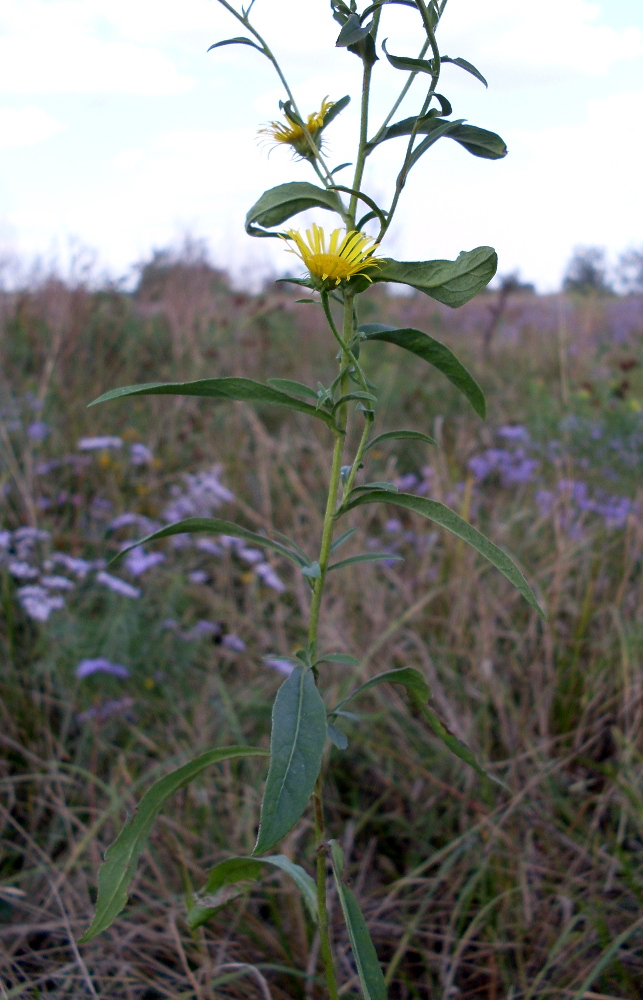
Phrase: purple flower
x=280 y=665
x=38 y=603
x=56 y=583
x=22 y=570
x=116 y=585
x=201 y=630
x=234 y=643
x=99 y=443
x=514 y=433
x=38 y=431
x=138 y=562
x=140 y=454
x=198 y=576
x=269 y=578
x=101 y=666
x=106 y=711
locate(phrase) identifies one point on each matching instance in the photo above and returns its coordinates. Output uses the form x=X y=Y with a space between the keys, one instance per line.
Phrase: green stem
x=324 y=936
x=326 y=541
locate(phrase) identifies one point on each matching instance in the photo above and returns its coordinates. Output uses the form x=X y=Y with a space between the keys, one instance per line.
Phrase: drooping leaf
x=435 y=354
x=408 y=64
x=215 y=526
x=369 y=970
x=419 y=694
x=216 y=892
x=121 y=858
x=408 y=677
x=240 y=40
x=399 y=435
x=367 y=557
x=342 y=538
x=478 y=141
x=447 y=518
x=466 y=65
x=296 y=748
x=243 y=389
x=282 y=202
x=452 y=282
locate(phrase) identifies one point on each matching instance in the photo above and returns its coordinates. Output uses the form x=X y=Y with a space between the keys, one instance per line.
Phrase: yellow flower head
x=346 y=255
x=289 y=133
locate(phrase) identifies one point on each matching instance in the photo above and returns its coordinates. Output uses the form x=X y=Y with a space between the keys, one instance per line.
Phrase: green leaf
x=444 y=128
x=369 y=970
x=367 y=557
x=466 y=65
x=313 y=572
x=296 y=748
x=243 y=389
x=352 y=32
x=354 y=395
x=478 y=141
x=281 y=202
x=288 y=385
x=400 y=435
x=214 y=526
x=337 y=737
x=121 y=858
x=435 y=354
x=453 y=282
x=419 y=693
x=343 y=538
x=447 y=518
x=390 y=487
x=336 y=109
x=343 y=658
x=216 y=892
x=240 y=40
x=410 y=678
x=407 y=64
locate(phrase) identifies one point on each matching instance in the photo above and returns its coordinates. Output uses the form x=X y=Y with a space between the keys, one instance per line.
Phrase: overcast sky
x=118 y=132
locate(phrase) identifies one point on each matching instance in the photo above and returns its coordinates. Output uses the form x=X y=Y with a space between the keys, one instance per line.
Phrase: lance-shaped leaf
x=447 y=518
x=419 y=695
x=466 y=65
x=214 y=525
x=452 y=282
x=239 y=40
x=369 y=970
x=478 y=141
x=282 y=202
x=367 y=557
x=400 y=435
x=243 y=389
x=435 y=354
x=121 y=858
x=296 y=748
x=408 y=64
x=218 y=890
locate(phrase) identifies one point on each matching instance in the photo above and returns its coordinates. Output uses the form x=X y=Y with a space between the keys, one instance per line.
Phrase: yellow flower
x=289 y=133
x=347 y=254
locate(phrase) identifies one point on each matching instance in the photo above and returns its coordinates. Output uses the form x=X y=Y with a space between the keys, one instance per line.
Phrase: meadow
x=112 y=675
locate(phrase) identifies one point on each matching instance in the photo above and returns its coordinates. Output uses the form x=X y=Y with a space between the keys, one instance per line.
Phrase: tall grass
x=525 y=894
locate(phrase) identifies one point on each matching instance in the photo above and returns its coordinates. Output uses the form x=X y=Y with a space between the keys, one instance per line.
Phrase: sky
x=121 y=134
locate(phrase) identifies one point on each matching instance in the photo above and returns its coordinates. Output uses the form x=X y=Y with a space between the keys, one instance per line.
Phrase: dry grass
x=470 y=891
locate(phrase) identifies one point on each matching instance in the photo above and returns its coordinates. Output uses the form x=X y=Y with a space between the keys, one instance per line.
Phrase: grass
x=469 y=891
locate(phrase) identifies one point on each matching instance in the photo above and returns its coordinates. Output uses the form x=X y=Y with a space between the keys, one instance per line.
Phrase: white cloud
x=26 y=126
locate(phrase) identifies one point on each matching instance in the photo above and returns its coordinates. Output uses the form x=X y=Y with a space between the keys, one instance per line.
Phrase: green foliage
x=215 y=526
x=219 y=892
x=296 y=748
x=243 y=389
x=447 y=518
x=435 y=354
x=121 y=858
x=369 y=970
x=448 y=281
x=282 y=202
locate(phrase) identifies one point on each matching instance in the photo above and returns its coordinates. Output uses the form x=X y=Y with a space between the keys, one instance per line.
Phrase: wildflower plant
x=338 y=268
